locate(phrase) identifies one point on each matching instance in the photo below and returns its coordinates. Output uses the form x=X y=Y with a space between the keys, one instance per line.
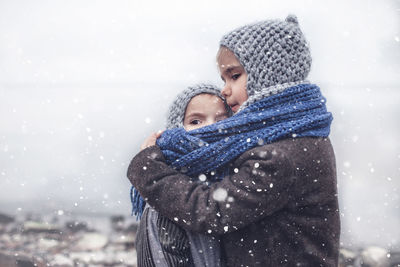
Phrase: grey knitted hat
x=274 y=54
x=176 y=112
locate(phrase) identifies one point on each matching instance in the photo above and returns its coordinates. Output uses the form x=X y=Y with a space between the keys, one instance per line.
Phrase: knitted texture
x=265 y=92
x=272 y=52
x=176 y=112
x=298 y=111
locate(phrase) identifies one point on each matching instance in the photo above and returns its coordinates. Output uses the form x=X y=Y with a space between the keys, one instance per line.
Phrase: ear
x=292 y=19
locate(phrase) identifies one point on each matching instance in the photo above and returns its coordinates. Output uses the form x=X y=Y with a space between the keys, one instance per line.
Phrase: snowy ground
x=66 y=240
x=63 y=239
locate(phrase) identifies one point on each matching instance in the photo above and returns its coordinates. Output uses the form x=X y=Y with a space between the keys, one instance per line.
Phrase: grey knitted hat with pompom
x=176 y=112
x=274 y=53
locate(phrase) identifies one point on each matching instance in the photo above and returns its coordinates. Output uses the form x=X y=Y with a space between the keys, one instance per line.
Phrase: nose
x=226 y=91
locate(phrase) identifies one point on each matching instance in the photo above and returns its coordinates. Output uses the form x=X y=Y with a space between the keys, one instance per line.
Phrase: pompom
x=292 y=19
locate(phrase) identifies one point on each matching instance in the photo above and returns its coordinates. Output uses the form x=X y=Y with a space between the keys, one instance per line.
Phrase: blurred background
x=82 y=83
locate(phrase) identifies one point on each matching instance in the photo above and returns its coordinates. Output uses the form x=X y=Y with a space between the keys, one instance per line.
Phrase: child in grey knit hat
x=262 y=59
x=167 y=242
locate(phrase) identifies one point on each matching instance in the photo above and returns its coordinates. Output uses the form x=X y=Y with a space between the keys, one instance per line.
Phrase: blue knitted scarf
x=298 y=111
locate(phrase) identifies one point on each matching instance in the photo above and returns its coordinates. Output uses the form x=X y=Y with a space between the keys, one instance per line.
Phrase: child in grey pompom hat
x=169 y=244
x=274 y=54
x=176 y=112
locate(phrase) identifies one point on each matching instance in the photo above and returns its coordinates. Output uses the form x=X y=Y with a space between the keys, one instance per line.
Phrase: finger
x=159 y=133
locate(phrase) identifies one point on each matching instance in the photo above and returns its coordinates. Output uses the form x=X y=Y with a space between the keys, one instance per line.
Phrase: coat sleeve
x=257 y=187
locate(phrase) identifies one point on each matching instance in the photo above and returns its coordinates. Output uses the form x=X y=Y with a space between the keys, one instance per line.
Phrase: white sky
x=82 y=83
x=176 y=41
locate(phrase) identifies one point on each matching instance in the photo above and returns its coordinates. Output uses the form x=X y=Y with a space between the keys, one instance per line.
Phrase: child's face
x=203 y=110
x=234 y=76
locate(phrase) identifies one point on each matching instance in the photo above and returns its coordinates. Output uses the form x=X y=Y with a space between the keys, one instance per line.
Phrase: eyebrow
x=194 y=114
x=230 y=69
x=200 y=114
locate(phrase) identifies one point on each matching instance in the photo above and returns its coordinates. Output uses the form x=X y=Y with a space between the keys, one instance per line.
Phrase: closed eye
x=221 y=118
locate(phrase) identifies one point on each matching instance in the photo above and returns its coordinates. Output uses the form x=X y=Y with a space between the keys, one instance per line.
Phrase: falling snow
x=220 y=194
x=73 y=144
x=202 y=177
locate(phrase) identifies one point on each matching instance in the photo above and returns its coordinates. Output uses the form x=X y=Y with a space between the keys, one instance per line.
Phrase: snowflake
x=202 y=177
x=220 y=194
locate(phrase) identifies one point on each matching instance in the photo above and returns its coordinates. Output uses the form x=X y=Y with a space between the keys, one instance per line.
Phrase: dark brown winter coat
x=278 y=207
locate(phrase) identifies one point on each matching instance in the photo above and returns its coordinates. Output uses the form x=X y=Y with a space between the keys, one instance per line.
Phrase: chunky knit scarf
x=298 y=111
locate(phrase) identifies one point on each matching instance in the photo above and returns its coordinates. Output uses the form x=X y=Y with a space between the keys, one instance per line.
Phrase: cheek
x=243 y=98
x=242 y=92
x=188 y=128
x=192 y=127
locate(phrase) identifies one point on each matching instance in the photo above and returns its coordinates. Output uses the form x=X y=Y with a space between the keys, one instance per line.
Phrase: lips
x=234 y=107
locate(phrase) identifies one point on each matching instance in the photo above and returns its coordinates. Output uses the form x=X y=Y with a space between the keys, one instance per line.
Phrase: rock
x=5 y=219
x=60 y=260
x=7 y=260
x=92 y=241
x=38 y=227
x=109 y=258
x=18 y=260
x=88 y=257
x=126 y=240
x=75 y=226
x=47 y=244
x=127 y=258
x=123 y=238
x=117 y=222
x=374 y=257
x=81 y=257
x=97 y=257
x=346 y=257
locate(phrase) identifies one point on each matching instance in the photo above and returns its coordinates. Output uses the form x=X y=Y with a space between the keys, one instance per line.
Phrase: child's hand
x=151 y=140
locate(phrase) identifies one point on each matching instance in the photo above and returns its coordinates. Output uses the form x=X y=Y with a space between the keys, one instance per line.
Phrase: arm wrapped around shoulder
x=257 y=186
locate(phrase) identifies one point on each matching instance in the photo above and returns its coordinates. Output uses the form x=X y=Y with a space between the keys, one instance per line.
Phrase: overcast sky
x=82 y=83
x=176 y=41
